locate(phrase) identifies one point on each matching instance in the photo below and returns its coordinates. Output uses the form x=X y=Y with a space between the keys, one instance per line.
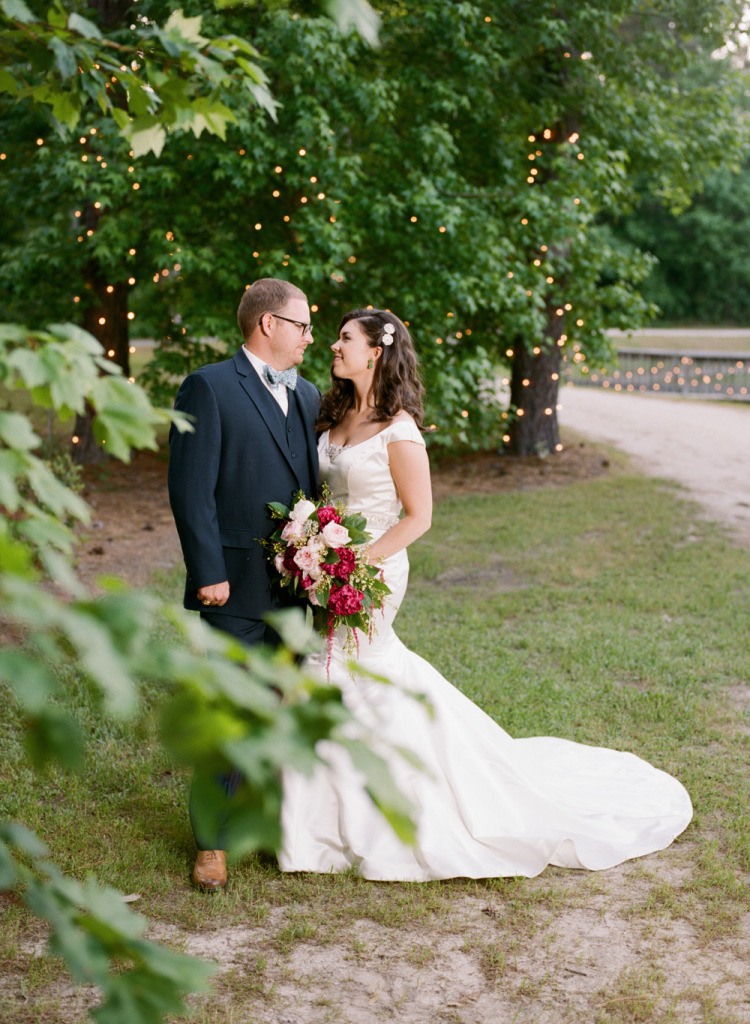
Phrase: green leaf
x=279 y=511
x=84 y=27
x=66 y=107
x=396 y=808
x=8 y=82
x=65 y=58
x=23 y=839
x=357 y=14
x=28 y=677
x=17 y=10
x=8 y=873
x=121 y=117
x=53 y=735
x=188 y=28
x=16 y=431
x=146 y=140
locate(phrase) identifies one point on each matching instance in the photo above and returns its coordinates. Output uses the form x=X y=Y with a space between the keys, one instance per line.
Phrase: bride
x=486 y=804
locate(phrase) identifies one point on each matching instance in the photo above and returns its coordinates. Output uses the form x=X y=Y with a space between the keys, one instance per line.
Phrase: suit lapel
x=309 y=413
x=266 y=405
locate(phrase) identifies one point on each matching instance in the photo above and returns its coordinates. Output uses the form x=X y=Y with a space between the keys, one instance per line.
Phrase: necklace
x=335 y=449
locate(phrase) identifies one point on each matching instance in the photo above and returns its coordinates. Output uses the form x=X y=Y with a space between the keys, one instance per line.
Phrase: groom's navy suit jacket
x=244 y=454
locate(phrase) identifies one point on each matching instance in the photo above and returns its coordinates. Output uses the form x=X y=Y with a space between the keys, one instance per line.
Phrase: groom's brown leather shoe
x=210 y=870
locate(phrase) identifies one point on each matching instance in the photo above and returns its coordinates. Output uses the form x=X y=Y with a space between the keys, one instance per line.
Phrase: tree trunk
x=535 y=371
x=535 y=379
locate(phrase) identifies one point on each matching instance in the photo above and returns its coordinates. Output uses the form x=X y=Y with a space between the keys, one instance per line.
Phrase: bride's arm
x=410 y=469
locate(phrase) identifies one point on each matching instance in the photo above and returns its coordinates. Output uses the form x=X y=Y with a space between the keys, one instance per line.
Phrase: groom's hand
x=214 y=596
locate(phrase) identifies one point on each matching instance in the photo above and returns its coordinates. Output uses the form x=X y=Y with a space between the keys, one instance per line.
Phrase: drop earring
x=369 y=364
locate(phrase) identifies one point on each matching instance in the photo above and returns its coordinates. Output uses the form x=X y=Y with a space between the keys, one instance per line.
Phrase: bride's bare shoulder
x=402 y=417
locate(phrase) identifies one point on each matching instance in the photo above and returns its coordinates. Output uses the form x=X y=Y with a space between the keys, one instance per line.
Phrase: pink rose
x=280 y=567
x=308 y=561
x=335 y=535
x=344 y=566
x=328 y=514
x=293 y=530
x=345 y=600
x=317 y=543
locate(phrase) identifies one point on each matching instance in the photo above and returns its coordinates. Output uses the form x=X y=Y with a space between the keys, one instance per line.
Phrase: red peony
x=289 y=564
x=345 y=600
x=328 y=514
x=344 y=566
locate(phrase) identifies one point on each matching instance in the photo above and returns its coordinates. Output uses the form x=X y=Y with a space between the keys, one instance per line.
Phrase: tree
x=460 y=175
x=703 y=269
x=422 y=153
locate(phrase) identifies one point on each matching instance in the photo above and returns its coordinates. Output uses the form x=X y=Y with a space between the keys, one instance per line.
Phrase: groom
x=253 y=443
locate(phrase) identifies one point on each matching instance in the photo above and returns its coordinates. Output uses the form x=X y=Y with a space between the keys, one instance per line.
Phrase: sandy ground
x=703 y=445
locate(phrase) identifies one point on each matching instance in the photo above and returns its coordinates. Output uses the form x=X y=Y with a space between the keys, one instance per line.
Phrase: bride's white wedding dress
x=487 y=805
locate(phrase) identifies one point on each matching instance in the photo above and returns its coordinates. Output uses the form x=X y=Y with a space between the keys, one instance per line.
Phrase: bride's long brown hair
x=395 y=383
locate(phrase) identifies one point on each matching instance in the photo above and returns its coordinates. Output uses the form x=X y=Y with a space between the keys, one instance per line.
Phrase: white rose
x=302 y=511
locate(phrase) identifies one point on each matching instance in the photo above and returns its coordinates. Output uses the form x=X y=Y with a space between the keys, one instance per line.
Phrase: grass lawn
x=606 y=612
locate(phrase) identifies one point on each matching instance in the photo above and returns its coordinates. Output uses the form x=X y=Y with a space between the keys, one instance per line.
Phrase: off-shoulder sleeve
x=403 y=430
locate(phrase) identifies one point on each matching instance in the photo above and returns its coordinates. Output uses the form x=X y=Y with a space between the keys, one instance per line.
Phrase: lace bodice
x=360 y=474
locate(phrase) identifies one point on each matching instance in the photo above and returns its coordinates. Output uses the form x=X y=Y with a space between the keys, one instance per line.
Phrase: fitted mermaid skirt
x=485 y=804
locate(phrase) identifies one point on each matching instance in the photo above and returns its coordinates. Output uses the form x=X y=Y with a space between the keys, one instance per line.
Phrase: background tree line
x=472 y=173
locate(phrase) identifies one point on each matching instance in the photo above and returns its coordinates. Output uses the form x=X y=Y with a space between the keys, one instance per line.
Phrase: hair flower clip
x=387 y=338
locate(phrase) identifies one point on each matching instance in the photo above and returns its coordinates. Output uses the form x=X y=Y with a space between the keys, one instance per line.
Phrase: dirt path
x=703 y=445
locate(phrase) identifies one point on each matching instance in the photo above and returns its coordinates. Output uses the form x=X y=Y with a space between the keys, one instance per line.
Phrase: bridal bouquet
x=317 y=551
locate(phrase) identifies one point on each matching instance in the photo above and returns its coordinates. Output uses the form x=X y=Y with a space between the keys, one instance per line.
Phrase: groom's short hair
x=267 y=295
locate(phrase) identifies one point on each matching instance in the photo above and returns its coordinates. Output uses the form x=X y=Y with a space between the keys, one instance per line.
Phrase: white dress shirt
x=280 y=393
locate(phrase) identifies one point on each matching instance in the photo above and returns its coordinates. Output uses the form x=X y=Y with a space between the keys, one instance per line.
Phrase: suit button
x=288 y=430
x=294 y=455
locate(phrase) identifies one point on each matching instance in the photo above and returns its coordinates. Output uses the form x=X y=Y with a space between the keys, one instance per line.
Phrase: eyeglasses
x=304 y=328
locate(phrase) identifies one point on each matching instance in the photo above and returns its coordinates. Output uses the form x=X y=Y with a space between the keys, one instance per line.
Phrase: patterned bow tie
x=276 y=377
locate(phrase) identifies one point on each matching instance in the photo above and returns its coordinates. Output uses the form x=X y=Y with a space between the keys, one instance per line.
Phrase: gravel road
x=703 y=445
